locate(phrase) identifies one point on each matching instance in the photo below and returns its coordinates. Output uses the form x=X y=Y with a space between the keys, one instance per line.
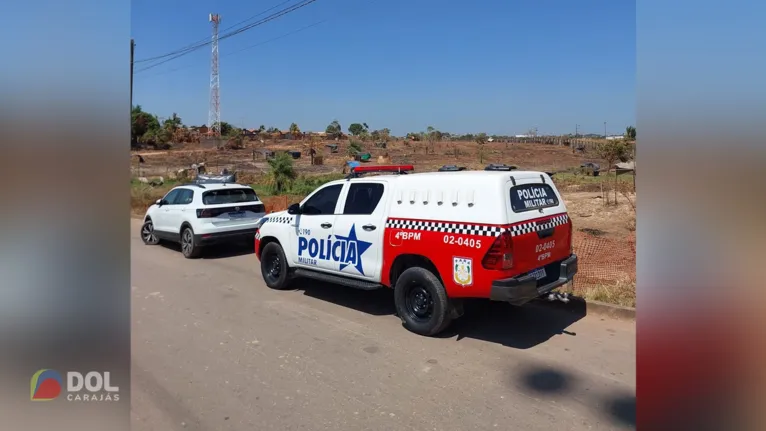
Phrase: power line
x=250 y=46
x=290 y=33
x=183 y=52
x=206 y=39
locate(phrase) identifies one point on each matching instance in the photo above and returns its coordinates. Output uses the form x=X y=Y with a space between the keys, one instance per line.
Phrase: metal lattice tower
x=214 y=113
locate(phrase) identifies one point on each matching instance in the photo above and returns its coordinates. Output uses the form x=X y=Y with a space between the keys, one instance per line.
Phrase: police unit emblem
x=462 y=271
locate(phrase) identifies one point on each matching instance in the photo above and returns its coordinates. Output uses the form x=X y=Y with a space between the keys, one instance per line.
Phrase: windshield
x=229 y=196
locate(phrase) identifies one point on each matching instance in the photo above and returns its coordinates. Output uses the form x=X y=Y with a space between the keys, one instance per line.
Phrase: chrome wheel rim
x=147 y=233
x=187 y=242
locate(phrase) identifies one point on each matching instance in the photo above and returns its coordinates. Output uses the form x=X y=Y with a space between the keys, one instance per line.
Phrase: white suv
x=200 y=214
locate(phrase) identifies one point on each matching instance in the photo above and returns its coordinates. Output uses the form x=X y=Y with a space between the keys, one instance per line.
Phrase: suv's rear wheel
x=189 y=248
x=147 y=233
x=422 y=302
x=274 y=266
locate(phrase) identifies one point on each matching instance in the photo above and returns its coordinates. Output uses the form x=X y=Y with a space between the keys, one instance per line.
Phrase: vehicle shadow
x=545 y=382
x=218 y=251
x=517 y=327
x=379 y=302
x=495 y=322
x=223 y=251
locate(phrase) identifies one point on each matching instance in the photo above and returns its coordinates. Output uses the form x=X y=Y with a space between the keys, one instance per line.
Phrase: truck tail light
x=500 y=255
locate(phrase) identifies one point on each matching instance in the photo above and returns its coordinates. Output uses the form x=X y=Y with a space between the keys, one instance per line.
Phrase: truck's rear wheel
x=421 y=302
x=274 y=266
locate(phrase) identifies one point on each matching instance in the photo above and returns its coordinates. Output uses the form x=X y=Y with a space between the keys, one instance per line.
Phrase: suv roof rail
x=503 y=167
x=193 y=185
x=451 y=168
x=358 y=171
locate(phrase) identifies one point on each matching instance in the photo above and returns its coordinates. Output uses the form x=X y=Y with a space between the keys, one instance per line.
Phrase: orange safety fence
x=604 y=260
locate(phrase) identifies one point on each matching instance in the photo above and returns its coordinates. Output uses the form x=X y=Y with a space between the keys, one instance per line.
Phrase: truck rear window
x=229 y=196
x=528 y=197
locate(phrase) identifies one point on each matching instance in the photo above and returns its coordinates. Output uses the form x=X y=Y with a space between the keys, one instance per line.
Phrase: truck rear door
x=541 y=232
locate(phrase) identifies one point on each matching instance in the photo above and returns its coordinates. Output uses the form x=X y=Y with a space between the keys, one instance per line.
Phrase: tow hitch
x=558 y=296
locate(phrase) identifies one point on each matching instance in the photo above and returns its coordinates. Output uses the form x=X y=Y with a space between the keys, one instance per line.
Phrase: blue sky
x=497 y=66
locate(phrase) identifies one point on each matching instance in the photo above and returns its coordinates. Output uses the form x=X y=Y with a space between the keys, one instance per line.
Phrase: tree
x=610 y=152
x=140 y=123
x=433 y=136
x=354 y=147
x=295 y=131
x=173 y=123
x=481 y=139
x=356 y=129
x=226 y=128
x=272 y=130
x=236 y=139
x=382 y=135
x=281 y=173
x=334 y=130
x=630 y=133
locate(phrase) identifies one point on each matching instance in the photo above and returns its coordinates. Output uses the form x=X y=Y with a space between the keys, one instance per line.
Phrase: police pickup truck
x=435 y=238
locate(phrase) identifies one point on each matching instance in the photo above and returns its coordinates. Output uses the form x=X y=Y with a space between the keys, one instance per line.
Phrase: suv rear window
x=229 y=196
x=528 y=197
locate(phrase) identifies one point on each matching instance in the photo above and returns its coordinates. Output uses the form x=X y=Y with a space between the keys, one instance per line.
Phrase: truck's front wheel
x=421 y=302
x=274 y=266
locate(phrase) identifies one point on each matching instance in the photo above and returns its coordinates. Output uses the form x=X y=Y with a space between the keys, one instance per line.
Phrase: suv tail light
x=204 y=213
x=571 y=238
x=500 y=255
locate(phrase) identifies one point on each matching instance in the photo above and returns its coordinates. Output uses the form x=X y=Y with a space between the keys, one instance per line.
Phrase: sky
x=493 y=66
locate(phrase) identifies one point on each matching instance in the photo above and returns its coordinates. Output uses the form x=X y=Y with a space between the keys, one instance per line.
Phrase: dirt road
x=214 y=349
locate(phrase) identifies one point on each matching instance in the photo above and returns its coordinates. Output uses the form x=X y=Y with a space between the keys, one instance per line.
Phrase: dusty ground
x=214 y=349
x=586 y=207
x=589 y=214
x=525 y=156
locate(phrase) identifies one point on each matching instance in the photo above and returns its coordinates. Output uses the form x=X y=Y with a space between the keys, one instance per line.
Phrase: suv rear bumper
x=225 y=237
x=522 y=289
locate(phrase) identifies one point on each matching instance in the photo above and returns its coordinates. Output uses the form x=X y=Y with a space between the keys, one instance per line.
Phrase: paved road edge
x=611 y=310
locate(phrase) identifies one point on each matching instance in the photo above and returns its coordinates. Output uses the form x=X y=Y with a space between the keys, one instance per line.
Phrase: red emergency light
x=399 y=169
x=383 y=168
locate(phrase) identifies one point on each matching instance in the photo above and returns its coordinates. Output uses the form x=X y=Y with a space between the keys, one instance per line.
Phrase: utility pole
x=132 y=50
x=214 y=112
x=577 y=130
x=604 y=129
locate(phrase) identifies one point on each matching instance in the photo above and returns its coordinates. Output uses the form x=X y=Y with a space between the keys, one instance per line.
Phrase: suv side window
x=363 y=198
x=323 y=202
x=172 y=196
x=185 y=197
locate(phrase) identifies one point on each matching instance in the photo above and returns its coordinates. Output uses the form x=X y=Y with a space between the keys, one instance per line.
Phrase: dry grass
x=142 y=196
x=621 y=292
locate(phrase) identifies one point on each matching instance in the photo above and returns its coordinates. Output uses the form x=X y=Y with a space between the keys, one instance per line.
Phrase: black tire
x=189 y=248
x=147 y=233
x=421 y=302
x=274 y=267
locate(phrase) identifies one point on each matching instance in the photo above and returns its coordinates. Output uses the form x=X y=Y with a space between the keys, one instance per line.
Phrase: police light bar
x=400 y=169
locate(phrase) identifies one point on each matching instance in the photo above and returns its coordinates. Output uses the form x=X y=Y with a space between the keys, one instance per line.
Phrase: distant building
x=615 y=137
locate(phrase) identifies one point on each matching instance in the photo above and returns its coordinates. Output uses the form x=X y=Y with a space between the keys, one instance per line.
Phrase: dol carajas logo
x=47 y=385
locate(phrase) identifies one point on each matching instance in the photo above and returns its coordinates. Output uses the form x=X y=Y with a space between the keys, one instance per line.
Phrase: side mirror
x=161 y=202
x=294 y=209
